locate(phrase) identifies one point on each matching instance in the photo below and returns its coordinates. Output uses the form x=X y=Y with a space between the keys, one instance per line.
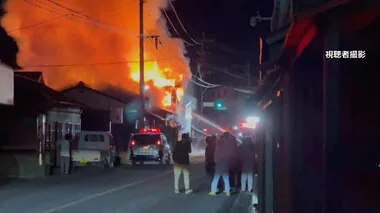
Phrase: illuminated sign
x=249 y=125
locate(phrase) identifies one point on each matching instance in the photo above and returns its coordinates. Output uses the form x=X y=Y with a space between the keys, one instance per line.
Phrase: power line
x=37 y=24
x=62 y=6
x=45 y=7
x=164 y=55
x=174 y=28
x=208 y=85
x=171 y=23
x=76 y=16
x=204 y=86
x=168 y=32
x=180 y=22
x=181 y=66
x=163 y=24
x=93 y=64
x=201 y=80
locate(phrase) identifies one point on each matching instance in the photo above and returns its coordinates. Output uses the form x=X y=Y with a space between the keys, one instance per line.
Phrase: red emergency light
x=154 y=130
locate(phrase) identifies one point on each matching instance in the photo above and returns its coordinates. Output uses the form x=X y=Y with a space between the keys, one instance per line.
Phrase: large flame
x=97 y=42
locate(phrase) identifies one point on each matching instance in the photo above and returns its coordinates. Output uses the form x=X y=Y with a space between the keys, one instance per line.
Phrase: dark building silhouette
x=9 y=48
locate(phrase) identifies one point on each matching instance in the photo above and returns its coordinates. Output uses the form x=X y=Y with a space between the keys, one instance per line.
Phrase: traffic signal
x=219 y=105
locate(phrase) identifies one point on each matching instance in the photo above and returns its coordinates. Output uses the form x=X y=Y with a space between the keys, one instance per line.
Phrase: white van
x=95 y=148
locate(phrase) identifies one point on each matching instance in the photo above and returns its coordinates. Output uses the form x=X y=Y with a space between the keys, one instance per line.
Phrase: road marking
x=105 y=193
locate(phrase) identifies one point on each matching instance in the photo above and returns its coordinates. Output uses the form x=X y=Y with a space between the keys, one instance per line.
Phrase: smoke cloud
x=93 y=41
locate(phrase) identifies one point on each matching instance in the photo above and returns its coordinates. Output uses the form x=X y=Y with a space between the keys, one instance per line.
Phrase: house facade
x=310 y=99
x=32 y=127
x=116 y=113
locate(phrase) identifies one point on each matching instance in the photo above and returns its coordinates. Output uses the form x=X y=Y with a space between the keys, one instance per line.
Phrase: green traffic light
x=219 y=105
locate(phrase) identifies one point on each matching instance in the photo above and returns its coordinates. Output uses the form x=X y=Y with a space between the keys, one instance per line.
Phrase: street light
x=257 y=19
x=146 y=87
x=253 y=119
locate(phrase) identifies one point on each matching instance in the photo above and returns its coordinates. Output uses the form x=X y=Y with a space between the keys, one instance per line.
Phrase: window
x=94 y=138
x=146 y=139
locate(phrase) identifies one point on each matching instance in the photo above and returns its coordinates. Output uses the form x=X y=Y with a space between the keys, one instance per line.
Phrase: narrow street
x=142 y=189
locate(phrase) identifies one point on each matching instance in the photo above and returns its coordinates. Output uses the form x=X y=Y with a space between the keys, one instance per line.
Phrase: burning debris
x=97 y=42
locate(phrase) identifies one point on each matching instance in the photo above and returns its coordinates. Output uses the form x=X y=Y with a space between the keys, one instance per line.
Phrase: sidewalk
x=244 y=203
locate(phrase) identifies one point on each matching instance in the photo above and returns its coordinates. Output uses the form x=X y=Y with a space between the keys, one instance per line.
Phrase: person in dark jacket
x=247 y=154
x=222 y=160
x=209 y=155
x=181 y=160
x=235 y=161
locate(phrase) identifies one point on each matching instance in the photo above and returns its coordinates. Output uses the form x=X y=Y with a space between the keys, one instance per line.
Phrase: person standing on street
x=247 y=154
x=235 y=161
x=65 y=154
x=222 y=161
x=181 y=160
x=209 y=155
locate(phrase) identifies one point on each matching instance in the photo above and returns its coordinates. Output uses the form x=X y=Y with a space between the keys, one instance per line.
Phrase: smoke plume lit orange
x=96 y=42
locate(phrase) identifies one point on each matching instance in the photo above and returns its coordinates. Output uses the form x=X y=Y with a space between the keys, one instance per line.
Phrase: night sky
x=226 y=21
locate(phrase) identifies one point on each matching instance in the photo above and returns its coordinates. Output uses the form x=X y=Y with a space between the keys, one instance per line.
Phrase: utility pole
x=261 y=60
x=142 y=84
x=200 y=67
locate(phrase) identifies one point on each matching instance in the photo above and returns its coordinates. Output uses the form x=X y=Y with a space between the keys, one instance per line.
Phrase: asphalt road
x=140 y=189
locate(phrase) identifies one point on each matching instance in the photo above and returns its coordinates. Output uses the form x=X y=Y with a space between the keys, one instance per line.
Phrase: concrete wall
x=20 y=164
x=22 y=134
x=19 y=154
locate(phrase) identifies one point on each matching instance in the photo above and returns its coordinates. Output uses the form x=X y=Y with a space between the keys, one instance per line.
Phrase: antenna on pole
x=257 y=19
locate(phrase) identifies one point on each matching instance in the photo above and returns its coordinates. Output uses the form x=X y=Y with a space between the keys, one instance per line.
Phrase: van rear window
x=146 y=139
x=94 y=138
